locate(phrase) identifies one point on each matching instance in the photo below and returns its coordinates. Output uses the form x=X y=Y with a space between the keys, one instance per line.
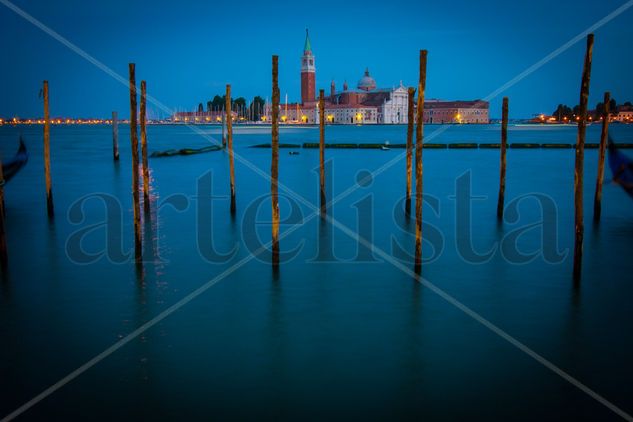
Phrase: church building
x=367 y=104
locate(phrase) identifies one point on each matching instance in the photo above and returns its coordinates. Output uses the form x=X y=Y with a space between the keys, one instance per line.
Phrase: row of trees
x=563 y=111
x=252 y=111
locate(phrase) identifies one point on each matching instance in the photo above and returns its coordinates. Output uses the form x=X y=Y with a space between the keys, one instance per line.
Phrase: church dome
x=366 y=83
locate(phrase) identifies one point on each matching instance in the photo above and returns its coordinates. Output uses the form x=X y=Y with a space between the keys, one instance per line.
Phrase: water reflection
x=277 y=326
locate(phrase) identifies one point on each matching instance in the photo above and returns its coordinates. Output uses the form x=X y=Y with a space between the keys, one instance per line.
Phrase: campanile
x=308 y=83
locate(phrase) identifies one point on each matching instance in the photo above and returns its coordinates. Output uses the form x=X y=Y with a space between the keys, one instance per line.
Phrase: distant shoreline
x=108 y=122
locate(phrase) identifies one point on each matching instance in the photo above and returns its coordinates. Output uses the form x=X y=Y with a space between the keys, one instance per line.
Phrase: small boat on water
x=12 y=167
x=385 y=147
x=621 y=167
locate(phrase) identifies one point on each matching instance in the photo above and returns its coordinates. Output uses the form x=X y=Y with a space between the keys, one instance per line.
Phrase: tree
x=238 y=105
x=209 y=106
x=218 y=102
x=239 y=102
x=200 y=108
x=562 y=111
x=257 y=108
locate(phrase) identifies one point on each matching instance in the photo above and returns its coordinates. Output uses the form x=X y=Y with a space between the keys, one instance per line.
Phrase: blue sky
x=188 y=50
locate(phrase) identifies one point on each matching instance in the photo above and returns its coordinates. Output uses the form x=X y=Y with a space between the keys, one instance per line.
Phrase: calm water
x=344 y=335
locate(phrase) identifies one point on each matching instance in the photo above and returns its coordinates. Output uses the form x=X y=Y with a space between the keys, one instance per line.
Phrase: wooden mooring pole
x=138 y=253
x=115 y=135
x=229 y=132
x=4 y=258
x=419 y=139
x=143 y=112
x=322 y=152
x=604 y=134
x=580 y=161
x=47 y=153
x=502 y=167
x=410 y=124
x=274 y=169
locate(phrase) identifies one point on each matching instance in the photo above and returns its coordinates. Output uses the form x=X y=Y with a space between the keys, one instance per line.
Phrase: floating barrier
x=459 y=145
x=524 y=145
x=557 y=146
x=351 y=146
x=316 y=145
x=381 y=146
x=462 y=145
x=280 y=146
x=185 y=151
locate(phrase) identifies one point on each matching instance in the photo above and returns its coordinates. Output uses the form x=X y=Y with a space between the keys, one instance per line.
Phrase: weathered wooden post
x=504 y=146
x=4 y=258
x=410 y=124
x=143 y=112
x=274 y=169
x=419 y=138
x=115 y=135
x=138 y=253
x=604 y=134
x=229 y=130
x=322 y=151
x=580 y=160
x=47 y=153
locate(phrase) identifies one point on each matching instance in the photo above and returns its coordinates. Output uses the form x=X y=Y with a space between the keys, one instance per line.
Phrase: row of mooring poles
x=578 y=174
x=274 y=171
x=579 y=227
x=419 y=116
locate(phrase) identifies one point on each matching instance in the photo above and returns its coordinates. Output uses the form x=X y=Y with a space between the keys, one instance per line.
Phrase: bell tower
x=308 y=69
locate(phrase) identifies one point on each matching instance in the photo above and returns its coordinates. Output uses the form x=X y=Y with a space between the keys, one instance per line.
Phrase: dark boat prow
x=621 y=167
x=13 y=166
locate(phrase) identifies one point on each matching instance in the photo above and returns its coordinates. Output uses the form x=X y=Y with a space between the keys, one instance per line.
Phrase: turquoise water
x=339 y=332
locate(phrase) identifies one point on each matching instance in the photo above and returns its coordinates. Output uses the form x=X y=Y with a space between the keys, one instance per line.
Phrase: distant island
x=622 y=113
